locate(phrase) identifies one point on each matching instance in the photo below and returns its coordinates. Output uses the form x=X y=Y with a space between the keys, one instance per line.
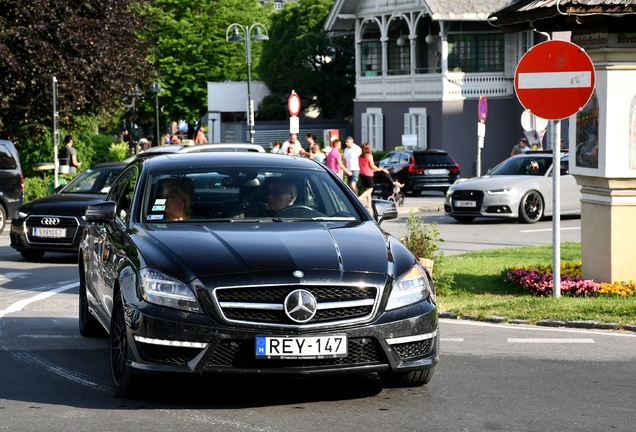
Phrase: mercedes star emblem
x=300 y=306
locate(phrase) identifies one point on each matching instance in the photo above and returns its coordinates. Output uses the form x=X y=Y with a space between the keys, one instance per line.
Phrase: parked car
x=422 y=170
x=197 y=148
x=11 y=181
x=313 y=288
x=519 y=187
x=55 y=223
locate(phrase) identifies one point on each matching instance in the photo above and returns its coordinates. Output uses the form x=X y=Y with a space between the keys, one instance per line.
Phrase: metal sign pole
x=555 y=140
x=56 y=135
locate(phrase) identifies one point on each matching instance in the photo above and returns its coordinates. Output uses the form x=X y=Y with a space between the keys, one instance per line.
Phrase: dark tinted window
x=6 y=159
x=432 y=158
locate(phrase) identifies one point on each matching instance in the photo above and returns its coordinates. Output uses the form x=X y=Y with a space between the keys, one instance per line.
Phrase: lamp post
x=155 y=88
x=246 y=37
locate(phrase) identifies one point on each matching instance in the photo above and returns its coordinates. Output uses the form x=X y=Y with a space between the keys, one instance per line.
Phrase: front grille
x=242 y=354
x=167 y=354
x=68 y=222
x=412 y=350
x=467 y=195
x=256 y=303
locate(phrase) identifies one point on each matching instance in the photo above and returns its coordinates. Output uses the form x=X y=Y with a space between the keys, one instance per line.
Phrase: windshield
x=532 y=165
x=236 y=194
x=93 y=181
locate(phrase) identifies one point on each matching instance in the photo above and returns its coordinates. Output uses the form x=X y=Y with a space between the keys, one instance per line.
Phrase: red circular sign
x=293 y=104
x=483 y=109
x=554 y=79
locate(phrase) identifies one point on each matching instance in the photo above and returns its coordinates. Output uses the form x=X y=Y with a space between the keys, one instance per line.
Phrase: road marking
x=529 y=327
x=43 y=336
x=452 y=339
x=206 y=419
x=548 y=340
x=549 y=229
x=18 y=306
x=12 y=275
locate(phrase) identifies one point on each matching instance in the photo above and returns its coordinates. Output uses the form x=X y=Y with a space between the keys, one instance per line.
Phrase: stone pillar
x=603 y=160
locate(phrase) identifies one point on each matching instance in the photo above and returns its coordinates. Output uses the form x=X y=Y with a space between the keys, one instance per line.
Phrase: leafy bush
x=118 y=151
x=35 y=187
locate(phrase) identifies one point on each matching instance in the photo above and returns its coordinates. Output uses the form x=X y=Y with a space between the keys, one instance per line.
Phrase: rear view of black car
x=422 y=170
x=11 y=182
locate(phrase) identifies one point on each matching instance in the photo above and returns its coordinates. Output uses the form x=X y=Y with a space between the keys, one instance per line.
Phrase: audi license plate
x=308 y=347
x=49 y=232
x=465 y=203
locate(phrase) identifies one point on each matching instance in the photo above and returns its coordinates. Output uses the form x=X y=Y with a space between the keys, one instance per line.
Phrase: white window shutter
x=407 y=123
x=511 y=60
x=364 y=125
x=422 y=131
x=379 y=122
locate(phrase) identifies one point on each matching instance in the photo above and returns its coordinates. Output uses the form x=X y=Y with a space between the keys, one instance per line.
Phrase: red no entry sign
x=293 y=104
x=554 y=79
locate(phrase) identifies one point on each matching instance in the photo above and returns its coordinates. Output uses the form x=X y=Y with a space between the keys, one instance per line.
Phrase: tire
x=464 y=218
x=124 y=381
x=391 y=198
x=407 y=379
x=88 y=324
x=31 y=254
x=531 y=207
x=3 y=218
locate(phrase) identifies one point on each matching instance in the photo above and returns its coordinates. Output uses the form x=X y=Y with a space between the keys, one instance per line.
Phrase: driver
x=533 y=168
x=281 y=193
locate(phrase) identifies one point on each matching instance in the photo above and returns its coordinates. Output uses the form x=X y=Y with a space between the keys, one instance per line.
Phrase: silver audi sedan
x=520 y=187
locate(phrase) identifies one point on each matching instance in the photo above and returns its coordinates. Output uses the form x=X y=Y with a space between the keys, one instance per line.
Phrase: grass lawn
x=479 y=289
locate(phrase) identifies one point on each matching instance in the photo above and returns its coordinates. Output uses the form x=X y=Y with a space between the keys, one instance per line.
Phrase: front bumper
x=486 y=205
x=21 y=239
x=401 y=340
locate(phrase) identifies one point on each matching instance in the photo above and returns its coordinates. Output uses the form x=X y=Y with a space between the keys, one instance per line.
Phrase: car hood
x=494 y=182
x=220 y=249
x=62 y=204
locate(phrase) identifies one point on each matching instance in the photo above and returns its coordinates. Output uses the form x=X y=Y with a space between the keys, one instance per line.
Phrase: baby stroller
x=389 y=190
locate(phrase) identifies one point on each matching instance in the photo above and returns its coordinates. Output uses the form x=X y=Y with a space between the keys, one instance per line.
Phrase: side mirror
x=101 y=212
x=383 y=210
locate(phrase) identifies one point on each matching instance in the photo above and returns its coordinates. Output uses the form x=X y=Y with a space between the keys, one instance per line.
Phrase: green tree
x=192 y=51
x=301 y=57
x=90 y=46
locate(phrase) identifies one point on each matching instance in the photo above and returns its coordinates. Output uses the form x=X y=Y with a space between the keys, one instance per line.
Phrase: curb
x=580 y=324
x=402 y=210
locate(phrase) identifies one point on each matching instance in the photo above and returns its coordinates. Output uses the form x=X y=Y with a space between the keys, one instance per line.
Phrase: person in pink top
x=367 y=170
x=334 y=159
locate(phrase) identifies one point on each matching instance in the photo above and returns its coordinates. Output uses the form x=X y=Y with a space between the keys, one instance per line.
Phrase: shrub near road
x=480 y=292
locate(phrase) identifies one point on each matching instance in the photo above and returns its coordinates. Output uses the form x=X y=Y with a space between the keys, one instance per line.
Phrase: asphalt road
x=490 y=377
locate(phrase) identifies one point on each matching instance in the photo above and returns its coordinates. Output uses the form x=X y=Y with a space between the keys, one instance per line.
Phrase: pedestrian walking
x=352 y=157
x=68 y=162
x=334 y=159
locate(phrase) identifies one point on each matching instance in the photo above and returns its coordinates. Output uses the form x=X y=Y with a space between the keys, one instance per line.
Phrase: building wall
x=452 y=126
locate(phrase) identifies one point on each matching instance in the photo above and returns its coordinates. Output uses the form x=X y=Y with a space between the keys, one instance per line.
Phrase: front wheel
x=531 y=207
x=3 y=218
x=124 y=381
x=407 y=379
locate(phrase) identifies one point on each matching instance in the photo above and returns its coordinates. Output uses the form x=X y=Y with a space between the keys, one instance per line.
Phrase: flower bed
x=538 y=281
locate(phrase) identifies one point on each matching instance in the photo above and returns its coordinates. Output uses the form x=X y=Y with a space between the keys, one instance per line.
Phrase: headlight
x=163 y=290
x=18 y=215
x=501 y=191
x=409 y=288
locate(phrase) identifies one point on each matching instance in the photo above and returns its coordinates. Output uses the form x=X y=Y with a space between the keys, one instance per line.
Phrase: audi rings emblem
x=50 y=221
x=300 y=306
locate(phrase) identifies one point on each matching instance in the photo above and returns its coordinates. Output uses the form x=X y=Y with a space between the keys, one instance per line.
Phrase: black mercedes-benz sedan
x=251 y=264
x=55 y=223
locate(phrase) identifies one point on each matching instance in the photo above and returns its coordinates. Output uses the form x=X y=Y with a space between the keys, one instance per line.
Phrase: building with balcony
x=421 y=67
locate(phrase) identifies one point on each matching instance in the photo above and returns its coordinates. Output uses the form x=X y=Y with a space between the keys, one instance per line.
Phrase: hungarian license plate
x=465 y=203
x=436 y=171
x=49 y=232
x=307 y=347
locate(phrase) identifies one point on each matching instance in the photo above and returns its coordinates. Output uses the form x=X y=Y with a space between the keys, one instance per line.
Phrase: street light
x=246 y=37
x=155 y=88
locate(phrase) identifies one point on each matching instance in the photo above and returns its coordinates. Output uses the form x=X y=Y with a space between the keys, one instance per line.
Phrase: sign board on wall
x=409 y=140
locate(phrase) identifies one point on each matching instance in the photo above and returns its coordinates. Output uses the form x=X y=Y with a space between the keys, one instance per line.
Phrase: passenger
x=178 y=193
x=281 y=193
